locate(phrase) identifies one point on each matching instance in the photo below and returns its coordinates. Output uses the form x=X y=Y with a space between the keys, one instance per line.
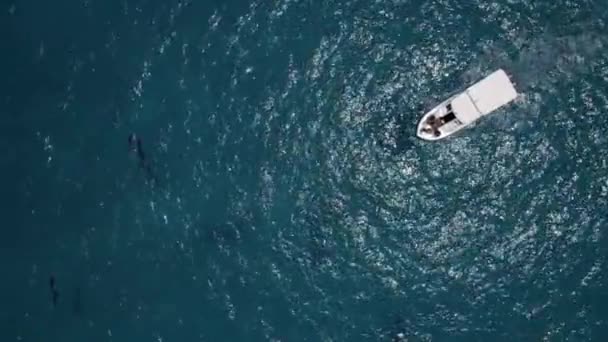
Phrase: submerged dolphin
x=135 y=146
x=54 y=292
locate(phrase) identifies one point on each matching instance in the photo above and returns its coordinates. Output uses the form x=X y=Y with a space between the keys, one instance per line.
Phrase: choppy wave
x=360 y=222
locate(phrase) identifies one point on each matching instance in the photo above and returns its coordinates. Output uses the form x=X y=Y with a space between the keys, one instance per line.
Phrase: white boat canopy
x=484 y=97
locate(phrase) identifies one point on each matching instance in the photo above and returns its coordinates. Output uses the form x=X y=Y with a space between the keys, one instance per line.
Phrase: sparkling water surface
x=287 y=198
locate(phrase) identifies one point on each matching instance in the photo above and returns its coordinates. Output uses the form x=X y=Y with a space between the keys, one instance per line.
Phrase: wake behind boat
x=461 y=110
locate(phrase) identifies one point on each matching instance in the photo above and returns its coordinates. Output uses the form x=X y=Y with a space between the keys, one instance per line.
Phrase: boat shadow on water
x=403 y=138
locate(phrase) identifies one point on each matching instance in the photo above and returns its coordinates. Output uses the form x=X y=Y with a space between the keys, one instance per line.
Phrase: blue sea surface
x=280 y=193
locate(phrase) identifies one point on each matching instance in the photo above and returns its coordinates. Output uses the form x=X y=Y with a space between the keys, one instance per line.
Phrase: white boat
x=462 y=109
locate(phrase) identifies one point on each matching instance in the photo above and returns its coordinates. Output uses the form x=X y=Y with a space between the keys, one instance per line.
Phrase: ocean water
x=284 y=196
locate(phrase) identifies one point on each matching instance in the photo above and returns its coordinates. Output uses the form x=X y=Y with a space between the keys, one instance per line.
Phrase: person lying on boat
x=431 y=130
x=435 y=122
x=433 y=125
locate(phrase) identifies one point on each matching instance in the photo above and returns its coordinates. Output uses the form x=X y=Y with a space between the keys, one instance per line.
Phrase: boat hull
x=463 y=109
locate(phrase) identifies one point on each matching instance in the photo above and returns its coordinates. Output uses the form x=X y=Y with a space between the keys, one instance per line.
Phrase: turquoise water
x=287 y=198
